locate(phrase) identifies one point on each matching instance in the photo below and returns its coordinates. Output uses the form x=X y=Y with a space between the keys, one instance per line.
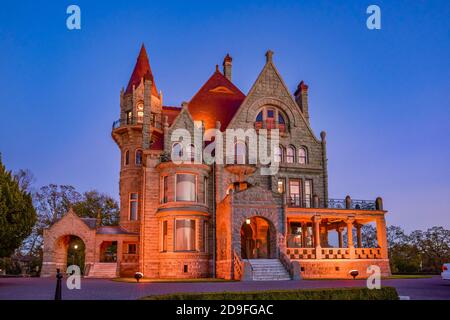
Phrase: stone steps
x=268 y=270
x=102 y=270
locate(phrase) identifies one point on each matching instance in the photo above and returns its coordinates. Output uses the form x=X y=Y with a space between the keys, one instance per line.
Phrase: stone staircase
x=268 y=270
x=102 y=270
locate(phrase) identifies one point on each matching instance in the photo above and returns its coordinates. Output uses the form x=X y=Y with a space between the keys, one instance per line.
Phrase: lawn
x=385 y=293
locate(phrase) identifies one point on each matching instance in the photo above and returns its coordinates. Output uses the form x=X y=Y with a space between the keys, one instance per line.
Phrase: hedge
x=385 y=293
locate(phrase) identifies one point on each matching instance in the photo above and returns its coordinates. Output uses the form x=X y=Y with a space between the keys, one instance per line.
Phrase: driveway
x=100 y=289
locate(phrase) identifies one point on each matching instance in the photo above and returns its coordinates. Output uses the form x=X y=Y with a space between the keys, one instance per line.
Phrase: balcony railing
x=134 y=121
x=295 y=201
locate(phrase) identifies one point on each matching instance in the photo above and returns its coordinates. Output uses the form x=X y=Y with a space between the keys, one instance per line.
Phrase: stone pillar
x=350 y=244
x=358 y=236
x=340 y=236
x=304 y=234
x=119 y=255
x=381 y=237
x=316 y=220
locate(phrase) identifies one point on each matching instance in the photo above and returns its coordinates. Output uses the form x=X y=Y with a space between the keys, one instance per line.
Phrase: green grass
x=385 y=293
x=409 y=276
x=145 y=280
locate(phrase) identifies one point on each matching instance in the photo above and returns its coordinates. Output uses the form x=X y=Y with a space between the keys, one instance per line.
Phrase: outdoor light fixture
x=75 y=247
x=247 y=221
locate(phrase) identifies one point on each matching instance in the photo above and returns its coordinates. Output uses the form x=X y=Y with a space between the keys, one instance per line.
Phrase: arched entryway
x=257 y=237
x=70 y=250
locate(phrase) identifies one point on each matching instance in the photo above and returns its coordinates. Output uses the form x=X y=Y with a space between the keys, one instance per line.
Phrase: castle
x=199 y=220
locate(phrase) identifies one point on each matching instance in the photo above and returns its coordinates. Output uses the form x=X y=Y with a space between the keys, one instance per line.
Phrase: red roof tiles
x=141 y=70
x=217 y=100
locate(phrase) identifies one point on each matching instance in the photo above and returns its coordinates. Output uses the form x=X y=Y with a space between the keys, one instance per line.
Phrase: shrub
x=385 y=293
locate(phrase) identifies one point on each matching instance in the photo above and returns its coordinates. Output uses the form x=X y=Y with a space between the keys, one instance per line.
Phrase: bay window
x=184 y=235
x=186 y=187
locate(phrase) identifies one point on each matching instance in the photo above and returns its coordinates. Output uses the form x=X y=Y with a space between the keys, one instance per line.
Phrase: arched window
x=278 y=154
x=190 y=153
x=302 y=155
x=138 y=158
x=177 y=152
x=290 y=154
x=270 y=118
x=127 y=158
x=240 y=153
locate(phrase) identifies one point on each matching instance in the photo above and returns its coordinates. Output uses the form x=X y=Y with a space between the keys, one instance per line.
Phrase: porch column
x=316 y=220
x=381 y=236
x=350 y=245
x=340 y=236
x=358 y=236
x=119 y=255
x=304 y=234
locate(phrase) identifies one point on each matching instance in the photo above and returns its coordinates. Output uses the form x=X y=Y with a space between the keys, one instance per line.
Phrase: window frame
x=194 y=246
x=130 y=201
x=292 y=148
x=138 y=151
x=195 y=186
x=305 y=156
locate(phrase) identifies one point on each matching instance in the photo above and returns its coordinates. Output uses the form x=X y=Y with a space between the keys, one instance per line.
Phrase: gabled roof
x=141 y=70
x=217 y=100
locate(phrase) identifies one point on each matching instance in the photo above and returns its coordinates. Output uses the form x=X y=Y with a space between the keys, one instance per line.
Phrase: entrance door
x=255 y=240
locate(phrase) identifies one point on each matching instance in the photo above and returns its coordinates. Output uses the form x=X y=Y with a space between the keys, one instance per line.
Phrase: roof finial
x=269 y=55
x=217 y=68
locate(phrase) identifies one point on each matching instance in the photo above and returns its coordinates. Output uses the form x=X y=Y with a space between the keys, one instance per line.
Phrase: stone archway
x=69 y=250
x=258 y=239
x=57 y=239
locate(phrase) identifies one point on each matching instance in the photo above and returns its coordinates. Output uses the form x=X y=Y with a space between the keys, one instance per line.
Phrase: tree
x=17 y=214
x=98 y=205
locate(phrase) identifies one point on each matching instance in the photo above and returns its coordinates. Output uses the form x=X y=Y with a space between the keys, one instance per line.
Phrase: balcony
x=295 y=201
x=135 y=121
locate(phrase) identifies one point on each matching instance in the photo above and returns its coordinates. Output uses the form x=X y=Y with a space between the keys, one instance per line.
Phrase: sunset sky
x=382 y=96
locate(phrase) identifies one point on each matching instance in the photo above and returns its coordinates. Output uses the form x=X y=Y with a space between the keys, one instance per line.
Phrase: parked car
x=446 y=271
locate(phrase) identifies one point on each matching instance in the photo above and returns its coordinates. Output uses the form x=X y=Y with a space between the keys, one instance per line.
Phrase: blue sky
x=382 y=96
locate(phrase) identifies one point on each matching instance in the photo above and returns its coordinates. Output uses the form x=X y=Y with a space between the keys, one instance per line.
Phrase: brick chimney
x=301 y=97
x=227 y=64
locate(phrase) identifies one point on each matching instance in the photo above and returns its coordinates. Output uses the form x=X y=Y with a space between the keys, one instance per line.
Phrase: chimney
x=301 y=97
x=227 y=64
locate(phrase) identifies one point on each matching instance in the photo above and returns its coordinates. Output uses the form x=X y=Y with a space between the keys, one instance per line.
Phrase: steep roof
x=141 y=70
x=217 y=100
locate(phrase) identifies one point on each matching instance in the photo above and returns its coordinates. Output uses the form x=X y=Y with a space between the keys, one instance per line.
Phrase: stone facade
x=194 y=220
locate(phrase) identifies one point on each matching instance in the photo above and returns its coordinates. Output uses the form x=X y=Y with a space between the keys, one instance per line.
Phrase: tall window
x=177 y=152
x=302 y=155
x=294 y=192
x=140 y=112
x=184 y=235
x=281 y=185
x=290 y=154
x=138 y=157
x=129 y=117
x=205 y=190
x=186 y=185
x=278 y=154
x=127 y=158
x=134 y=206
x=190 y=153
x=240 y=152
x=165 y=189
x=205 y=236
x=164 y=235
x=308 y=193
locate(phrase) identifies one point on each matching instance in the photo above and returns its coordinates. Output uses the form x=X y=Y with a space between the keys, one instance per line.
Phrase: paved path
x=100 y=289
